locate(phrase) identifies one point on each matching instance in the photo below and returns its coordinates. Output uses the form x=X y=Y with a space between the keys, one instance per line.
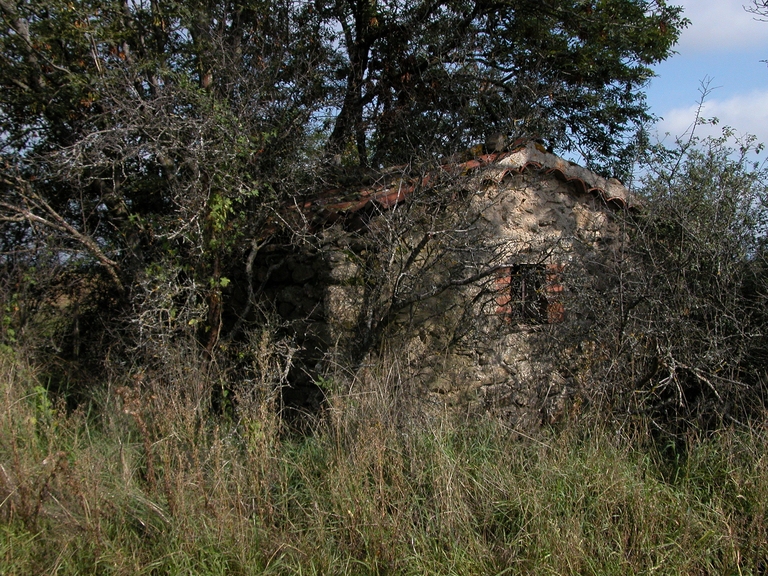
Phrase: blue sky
x=726 y=44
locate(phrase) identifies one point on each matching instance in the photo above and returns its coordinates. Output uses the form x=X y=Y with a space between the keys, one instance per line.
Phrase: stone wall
x=470 y=293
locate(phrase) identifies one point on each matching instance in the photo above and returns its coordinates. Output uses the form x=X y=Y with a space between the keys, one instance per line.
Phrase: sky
x=724 y=45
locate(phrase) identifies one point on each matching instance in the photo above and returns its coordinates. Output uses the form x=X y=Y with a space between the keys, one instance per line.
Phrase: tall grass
x=148 y=481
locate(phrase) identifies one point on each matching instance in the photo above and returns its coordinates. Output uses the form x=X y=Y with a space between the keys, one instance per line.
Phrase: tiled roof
x=534 y=155
x=332 y=205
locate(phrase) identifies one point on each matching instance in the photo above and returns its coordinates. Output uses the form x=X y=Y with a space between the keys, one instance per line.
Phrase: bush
x=149 y=483
x=680 y=333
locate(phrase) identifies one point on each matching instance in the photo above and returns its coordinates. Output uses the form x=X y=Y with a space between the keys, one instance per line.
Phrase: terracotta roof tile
x=334 y=204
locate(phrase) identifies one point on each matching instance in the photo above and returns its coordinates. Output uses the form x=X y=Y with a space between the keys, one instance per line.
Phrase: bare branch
x=56 y=222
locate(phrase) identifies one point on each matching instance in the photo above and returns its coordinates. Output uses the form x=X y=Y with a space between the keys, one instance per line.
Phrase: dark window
x=530 y=293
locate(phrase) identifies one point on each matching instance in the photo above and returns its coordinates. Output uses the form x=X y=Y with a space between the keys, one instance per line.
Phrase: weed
x=160 y=486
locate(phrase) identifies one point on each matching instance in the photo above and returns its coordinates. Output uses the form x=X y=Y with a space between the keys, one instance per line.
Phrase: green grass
x=149 y=482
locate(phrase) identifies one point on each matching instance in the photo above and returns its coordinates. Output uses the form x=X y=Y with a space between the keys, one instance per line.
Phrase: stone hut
x=463 y=273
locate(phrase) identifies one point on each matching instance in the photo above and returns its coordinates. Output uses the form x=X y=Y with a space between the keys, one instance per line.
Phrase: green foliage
x=430 y=77
x=681 y=316
x=7 y=324
x=164 y=134
x=149 y=135
x=367 y=493
x=706 y=231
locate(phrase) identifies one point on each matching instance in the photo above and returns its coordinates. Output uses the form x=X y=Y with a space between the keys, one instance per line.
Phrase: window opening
x=530 y=293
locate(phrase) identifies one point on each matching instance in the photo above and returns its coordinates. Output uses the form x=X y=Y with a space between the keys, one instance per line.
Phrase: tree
x=759 y=8
x=680 y=328
x=432 y=76
x=144 y=139
x=148 y=146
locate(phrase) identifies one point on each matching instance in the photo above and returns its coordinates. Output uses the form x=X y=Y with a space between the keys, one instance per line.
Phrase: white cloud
x=720 y=25
x=745 y=113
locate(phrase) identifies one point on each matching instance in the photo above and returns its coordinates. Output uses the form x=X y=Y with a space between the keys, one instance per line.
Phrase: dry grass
x=150 y=482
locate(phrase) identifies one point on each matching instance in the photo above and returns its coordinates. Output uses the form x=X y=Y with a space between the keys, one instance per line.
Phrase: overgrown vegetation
x=148 y=147
x=148 y=153
x=147 y=482
x=678 y=330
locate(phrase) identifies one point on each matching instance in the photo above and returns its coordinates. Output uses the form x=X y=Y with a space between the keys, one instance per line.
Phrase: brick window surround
x=530 y=293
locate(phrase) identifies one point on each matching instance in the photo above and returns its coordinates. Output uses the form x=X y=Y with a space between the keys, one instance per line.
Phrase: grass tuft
x=149 y=481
